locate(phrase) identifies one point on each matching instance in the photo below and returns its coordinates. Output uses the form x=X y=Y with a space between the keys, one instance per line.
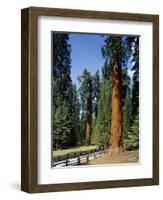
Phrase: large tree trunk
x=116 y=145
x=88 y=131
x=89 y=118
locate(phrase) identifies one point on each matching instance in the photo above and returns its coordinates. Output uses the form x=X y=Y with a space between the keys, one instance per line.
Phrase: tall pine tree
x=62 y=91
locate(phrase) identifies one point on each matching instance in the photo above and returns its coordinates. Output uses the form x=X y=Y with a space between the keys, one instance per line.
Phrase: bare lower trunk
x=88 y=132
x=116 y=145
x=89 y=116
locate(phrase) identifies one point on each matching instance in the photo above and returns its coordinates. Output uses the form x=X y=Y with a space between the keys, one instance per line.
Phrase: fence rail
x=77 y=158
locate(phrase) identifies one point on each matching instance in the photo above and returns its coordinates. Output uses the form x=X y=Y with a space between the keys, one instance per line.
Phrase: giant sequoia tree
x=115 y=52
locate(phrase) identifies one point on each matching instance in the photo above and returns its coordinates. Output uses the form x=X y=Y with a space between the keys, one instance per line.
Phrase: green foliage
x=127 y=116
x=132 y=139
x=85 y=90
x=89 y=95
x=62 y=83
x=61 y=127
x=75 y=112
x=126 y=102
x=131 y=136
x=130 y=121
x=126 y=90
x=96 y=92
x=82 y=128
x=102 y=123
x=113 y=49
x=86 y=97
x=65 y=100
x=133 y=52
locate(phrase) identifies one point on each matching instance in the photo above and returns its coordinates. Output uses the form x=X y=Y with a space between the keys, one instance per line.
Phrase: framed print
x=90 y=99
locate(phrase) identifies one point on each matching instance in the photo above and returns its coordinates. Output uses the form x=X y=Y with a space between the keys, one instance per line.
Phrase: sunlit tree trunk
x=116 y=145
x=89 y=120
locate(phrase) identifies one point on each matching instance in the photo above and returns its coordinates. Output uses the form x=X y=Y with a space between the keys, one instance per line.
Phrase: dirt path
x=125 y=157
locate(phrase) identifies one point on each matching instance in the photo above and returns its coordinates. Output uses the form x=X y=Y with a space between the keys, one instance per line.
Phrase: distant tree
x=82 y=126
x=126 y=101
x=86 y=94
x=96 y=92
x=132 y=137
x=127 y=116
x=135 y=68
x=103 y=121
x=75 y=112
x=133 y=53
x=126 y=85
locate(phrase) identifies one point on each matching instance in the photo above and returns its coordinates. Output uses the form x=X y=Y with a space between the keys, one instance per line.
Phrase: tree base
x=115 y=151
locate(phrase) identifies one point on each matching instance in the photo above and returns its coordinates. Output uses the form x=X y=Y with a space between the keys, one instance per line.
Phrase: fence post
x=88 y=158
x=67 y=159
x=79 y=160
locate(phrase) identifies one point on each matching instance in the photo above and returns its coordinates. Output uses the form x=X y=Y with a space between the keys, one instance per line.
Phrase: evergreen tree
x=75 y=137
x=127 y=116
x=82 y=126
x=86 y=95
x=103 y=122
x=61 y=128
x=133 y=53
x=132 y=138
x=62 y=92
x=126 y=102
x=62 y=83
x=126 y=85
x=96 y=92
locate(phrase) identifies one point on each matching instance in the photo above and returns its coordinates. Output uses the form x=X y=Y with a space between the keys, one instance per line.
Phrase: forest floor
x=124 y=157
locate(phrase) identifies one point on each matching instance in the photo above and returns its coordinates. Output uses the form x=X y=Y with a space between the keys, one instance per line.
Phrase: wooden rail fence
x=77 y=158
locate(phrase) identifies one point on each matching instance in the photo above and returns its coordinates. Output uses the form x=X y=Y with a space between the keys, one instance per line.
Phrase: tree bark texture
x=116 y=145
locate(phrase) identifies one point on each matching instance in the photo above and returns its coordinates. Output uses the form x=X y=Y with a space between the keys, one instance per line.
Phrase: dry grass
x=75 y=149
x=124 y=157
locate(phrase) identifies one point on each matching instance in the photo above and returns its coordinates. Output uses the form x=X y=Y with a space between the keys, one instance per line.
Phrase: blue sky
x=85 y=53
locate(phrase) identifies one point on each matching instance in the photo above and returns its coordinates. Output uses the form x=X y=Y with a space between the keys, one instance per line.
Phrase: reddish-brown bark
x=116 y=145
x=89 y=115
